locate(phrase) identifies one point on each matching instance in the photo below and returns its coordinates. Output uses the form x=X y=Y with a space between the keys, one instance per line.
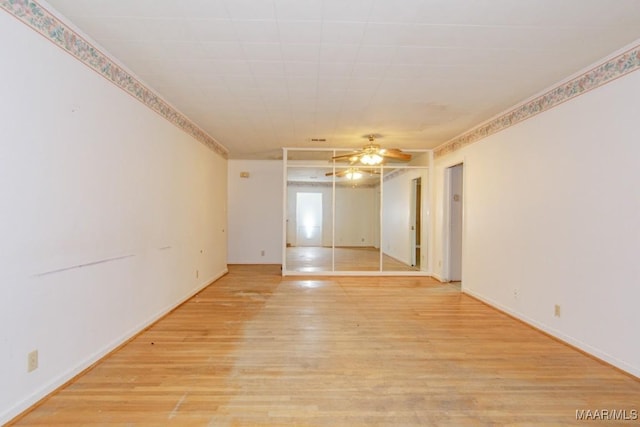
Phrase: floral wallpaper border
x=34 y=15
x=612 y=69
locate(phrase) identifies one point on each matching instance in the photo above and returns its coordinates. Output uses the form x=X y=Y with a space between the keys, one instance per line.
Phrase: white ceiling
x=258 y=75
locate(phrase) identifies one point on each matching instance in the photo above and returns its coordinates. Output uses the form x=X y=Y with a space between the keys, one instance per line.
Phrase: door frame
x=415 y=219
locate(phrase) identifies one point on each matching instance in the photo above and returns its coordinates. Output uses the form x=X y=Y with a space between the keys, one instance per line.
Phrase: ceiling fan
x=371 y=154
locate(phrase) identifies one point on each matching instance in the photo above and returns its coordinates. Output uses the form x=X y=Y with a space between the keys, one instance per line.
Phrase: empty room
x=319 y=212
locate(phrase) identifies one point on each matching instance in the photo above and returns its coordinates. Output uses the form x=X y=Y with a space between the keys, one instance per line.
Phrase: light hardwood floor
x=257 y=349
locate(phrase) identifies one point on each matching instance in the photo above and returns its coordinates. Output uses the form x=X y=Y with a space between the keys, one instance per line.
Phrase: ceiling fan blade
x=347 y=156
x=396 y=154
x=339 y=173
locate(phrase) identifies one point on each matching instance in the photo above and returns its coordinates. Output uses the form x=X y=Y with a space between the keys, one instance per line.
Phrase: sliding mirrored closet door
x=342 y=218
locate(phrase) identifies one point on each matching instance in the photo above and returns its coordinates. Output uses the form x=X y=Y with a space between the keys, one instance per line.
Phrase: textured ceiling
x=258 y=75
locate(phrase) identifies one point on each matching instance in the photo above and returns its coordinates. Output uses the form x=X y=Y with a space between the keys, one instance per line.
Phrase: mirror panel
x=404 y=210
x=357 y=219
x=309 y=221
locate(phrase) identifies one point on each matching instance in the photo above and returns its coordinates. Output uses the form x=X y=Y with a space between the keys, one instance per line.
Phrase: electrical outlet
x=262 y=253
x=197 y=274
x=32 y=361
x=516 y=293
x=556 y=310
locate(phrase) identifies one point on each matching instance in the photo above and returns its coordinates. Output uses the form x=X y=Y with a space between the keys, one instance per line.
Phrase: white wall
x=90 y=176
x=551 y=210
x=255 y=212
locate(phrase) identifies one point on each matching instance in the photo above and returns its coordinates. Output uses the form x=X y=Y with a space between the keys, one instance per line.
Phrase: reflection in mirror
x=309 y=225
x=404 y=204
x=357 y=219
x=343 y=216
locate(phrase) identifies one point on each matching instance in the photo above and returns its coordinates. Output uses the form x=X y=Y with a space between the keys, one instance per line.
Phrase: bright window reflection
x=309 y=219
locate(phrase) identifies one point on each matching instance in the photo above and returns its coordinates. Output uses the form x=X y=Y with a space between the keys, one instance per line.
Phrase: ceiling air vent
x=318 y=139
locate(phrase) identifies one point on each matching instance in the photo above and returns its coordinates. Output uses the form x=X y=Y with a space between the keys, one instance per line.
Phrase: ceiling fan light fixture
x=353 y=175
x=371 y=159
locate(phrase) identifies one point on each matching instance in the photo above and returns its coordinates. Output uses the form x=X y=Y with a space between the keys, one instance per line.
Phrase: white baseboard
x=438 y=278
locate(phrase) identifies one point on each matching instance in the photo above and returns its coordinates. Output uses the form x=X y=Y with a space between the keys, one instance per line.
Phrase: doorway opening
x=309 y=219
x=454 y=205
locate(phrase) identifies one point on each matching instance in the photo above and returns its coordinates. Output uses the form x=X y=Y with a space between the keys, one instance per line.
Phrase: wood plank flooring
x=257 y=349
